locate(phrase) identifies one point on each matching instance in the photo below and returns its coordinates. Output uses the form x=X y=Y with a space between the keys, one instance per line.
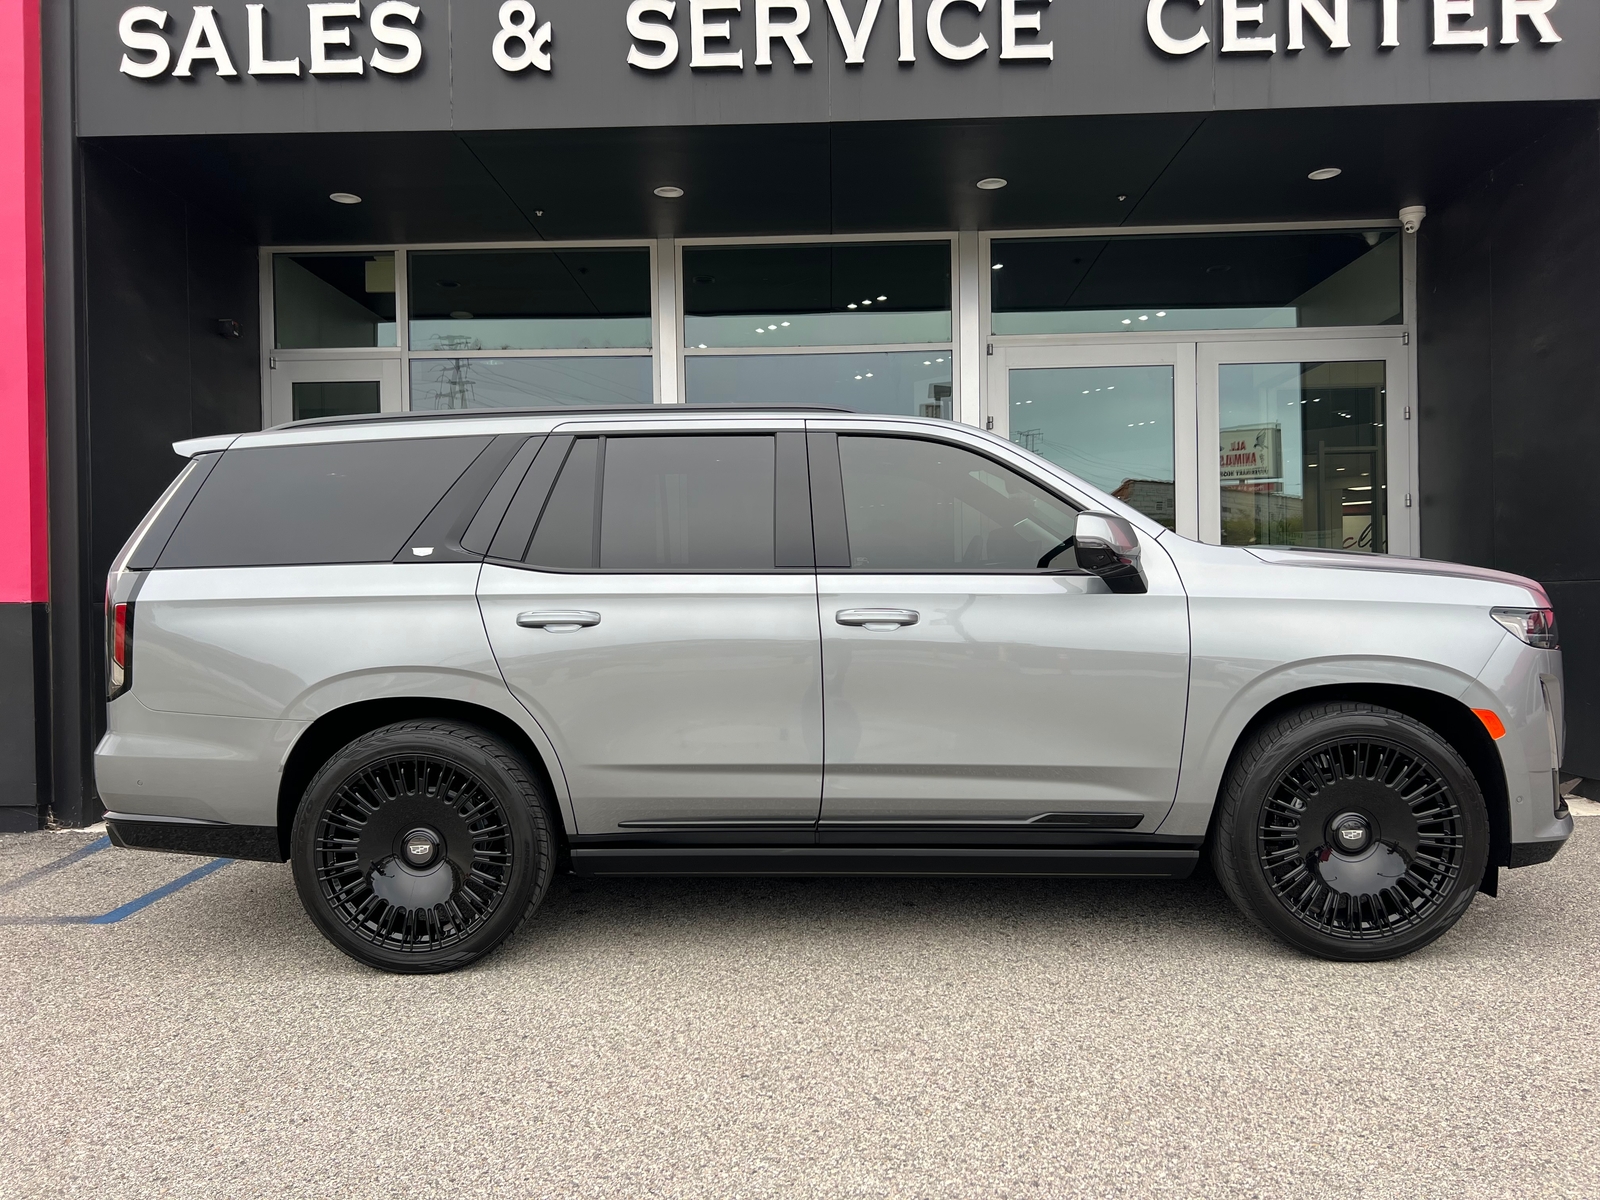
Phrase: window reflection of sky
x=455 y=383
x=1107 y=425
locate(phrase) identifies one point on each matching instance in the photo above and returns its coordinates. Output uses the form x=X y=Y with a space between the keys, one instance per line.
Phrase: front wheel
x=420 y=847
x=1352 y=832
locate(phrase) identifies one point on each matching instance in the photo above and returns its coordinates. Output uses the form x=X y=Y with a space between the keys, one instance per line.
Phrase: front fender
x=1226 y=696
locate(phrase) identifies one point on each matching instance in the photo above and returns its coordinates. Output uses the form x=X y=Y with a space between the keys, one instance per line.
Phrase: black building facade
x=1331 y=257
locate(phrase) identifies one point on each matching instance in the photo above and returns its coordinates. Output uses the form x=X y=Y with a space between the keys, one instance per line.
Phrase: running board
x=878 y=860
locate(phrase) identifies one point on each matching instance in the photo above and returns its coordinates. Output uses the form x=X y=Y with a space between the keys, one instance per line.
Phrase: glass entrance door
x=1119 y=417
x=1312 y=444
x=302 y=390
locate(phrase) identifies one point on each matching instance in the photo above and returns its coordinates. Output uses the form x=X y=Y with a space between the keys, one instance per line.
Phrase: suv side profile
x=430 y=660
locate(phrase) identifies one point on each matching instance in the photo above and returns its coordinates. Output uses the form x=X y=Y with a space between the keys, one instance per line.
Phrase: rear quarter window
x=342 y=502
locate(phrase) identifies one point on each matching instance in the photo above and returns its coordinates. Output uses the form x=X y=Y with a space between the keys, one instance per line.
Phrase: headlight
x=1536 y=626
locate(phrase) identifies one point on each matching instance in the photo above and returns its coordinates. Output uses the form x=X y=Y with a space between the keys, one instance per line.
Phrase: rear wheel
x=422 y=846
x=1352 y=832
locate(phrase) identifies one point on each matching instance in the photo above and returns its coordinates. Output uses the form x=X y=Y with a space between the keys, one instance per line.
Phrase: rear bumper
x=254 y=843
x=1531 y=854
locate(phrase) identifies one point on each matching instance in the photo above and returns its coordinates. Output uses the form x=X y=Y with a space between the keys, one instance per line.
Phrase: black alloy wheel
x=422 y=846
x=1352 y=832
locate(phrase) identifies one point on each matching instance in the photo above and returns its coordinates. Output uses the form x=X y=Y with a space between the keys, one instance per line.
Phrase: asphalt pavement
x=789 y=1038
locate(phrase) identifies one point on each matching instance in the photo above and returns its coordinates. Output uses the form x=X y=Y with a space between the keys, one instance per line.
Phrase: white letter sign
x=399 y=38
x=150 y=43
x=942 y=45
x=787 y=31
x=854 y=40
x=702 y=31
x=260 y=64
x=204 y=43
x=1234 y=15
x=1537 y=11
x=517 y=24
x=1012 y=22
x=1444 y=34
x=1163 y=40
x=322 y=37
x=1335 y=26
x=645 y=31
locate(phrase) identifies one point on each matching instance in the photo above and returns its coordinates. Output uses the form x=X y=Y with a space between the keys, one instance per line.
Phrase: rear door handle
x=878 y=620
x=559 y=621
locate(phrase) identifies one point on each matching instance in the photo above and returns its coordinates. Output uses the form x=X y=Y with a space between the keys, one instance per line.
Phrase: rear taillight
x=119 y=643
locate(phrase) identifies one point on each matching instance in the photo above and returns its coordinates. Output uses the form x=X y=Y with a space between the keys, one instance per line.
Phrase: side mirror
x=1108 y=546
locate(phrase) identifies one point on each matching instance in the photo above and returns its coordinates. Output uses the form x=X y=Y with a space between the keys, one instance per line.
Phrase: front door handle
x=878 y=620
x=560 y=621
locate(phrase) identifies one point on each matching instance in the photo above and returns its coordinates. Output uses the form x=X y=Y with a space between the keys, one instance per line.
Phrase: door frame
x=1178 y=355
x=283 y=373
x=1401 y=455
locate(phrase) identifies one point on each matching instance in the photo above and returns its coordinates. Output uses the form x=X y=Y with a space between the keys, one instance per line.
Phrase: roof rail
x=554 y=410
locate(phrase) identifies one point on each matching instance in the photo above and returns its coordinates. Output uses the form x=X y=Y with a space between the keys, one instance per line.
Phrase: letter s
x=150 y=43
x=647 y=31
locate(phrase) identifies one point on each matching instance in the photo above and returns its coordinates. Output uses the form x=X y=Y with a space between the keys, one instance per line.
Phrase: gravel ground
x=790 y=1038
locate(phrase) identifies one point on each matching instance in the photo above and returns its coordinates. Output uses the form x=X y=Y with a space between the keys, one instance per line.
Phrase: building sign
x=1252 y=452
x=654 y=35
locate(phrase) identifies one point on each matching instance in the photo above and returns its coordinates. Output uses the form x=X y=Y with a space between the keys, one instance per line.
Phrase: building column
x=24 y=526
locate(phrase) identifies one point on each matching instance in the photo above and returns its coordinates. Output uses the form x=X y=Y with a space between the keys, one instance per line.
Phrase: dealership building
x=1317 y=272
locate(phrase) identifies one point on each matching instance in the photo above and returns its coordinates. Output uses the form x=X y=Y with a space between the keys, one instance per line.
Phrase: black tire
x=388 y=795
x=1352 y=832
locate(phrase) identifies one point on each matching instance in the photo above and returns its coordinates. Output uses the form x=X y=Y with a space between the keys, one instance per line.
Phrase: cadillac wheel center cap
x=421 y=847
x=1351 y=833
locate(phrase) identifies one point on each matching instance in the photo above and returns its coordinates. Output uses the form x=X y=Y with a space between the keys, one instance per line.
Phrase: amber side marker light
x=1491 y=722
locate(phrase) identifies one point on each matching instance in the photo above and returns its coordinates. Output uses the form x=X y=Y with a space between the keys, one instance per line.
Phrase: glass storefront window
x=333 y=301
x=338 y=398
x=1304 y=455
x=1110 y=426
x=840 y=294
x=530 y=299
x=1195 y=282
x=915 y=384
x=456 y=383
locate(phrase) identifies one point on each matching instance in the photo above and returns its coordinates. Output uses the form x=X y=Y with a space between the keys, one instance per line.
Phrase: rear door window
x=342 y=502
x=674 y=503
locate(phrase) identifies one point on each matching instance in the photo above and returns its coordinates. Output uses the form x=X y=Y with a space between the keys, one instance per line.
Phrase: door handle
x=878 y=620
x=562 y=621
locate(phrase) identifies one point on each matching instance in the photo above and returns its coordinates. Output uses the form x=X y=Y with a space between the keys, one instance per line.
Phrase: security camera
x=1411 y=218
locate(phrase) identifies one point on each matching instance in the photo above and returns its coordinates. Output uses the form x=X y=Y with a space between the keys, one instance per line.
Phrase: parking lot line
x=124 y=911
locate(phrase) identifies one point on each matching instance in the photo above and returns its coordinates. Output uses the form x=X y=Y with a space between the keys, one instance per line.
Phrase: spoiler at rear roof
x=205 y=445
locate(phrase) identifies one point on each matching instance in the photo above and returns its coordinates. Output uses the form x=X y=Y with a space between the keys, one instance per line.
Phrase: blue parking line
x=149 y=898
x=127 y=910
x=25 y=879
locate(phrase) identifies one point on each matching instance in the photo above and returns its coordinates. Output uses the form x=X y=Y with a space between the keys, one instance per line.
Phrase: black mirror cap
x=1108 y=546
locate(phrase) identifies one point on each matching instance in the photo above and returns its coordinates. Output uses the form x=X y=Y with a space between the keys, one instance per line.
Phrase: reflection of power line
x=1028 y=439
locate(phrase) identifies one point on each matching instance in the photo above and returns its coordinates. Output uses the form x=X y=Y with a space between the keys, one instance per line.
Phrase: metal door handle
x=878 y=619
x=563 y=621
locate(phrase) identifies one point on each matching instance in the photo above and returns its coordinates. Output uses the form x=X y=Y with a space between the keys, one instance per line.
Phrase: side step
x=880 y=860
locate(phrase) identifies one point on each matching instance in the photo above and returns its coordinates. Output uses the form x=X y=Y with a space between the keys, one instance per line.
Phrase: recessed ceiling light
x=669 y=192
x=1326 y=173
x=866 y=303
x=992 y=184
x=344 y=197
x=850 y=306
x=461 y=314
x=998 y=267
x=881 y=299
x=785 y=324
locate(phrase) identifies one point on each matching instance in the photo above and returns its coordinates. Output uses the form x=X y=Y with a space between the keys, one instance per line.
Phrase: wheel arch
x=324 y=736
x=1448 y=717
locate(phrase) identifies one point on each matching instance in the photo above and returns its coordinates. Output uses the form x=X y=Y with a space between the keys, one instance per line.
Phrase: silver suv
x=432 y=660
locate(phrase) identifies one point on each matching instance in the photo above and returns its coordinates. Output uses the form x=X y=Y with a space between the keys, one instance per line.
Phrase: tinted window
x=564 y=537
x=297 y=505
x=926 y=506
x=688 y=503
